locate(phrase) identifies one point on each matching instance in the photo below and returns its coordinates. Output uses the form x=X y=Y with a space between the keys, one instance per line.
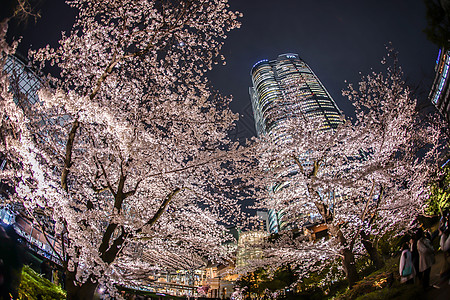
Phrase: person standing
x=426 y=257
x=444 y=243
x=406 y=266
x=445 y=240
x=415 y=255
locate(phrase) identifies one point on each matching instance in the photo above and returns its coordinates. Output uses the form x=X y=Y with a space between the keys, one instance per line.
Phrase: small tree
x=125 y=149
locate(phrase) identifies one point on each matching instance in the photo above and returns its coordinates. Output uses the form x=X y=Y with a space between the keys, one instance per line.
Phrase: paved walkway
x=441 y=289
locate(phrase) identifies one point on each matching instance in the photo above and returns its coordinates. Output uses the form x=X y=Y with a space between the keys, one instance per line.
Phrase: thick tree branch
x=68 y=157
x=109 y=255
x=299 y=164
x=120 y=196
x=132 y=192
x=363 y=215
x=102 y=78
x=107 y=180
x=106 y=238
x=161 y=210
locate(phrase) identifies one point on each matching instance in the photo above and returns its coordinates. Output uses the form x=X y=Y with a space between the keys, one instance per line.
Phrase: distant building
x=283 y=89
x=24 y=80
x=220 y=279
x=250 y=247
x=24 y=86
x=263 y=218
x=440 y=93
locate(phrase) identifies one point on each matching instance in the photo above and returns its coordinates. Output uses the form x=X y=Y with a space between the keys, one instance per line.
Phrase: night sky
x=337 y=38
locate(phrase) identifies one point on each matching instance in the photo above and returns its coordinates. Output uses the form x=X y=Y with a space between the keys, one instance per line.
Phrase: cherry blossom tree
x=128 y=144
x=365 y=178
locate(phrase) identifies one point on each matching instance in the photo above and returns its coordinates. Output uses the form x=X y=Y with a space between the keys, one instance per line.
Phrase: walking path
x=441 y=289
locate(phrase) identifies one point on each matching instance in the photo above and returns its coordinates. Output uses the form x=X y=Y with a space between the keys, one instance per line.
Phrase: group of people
x=417 y=255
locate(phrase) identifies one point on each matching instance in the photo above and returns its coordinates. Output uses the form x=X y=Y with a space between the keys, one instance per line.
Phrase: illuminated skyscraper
x=440 y=91
x=274 y=99
x=283 y=89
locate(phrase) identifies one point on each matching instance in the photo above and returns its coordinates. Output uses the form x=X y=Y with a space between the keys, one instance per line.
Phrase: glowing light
x=439 y=55
x=442 y=80
x=445 y=163
x=261 y=61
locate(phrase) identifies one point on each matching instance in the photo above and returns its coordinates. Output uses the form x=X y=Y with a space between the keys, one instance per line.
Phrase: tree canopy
x=365 y=178
x=125 y=147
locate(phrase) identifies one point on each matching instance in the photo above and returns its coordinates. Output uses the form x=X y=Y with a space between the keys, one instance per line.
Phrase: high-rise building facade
x=440 y=91
x=24 y=84
x=283 y=89
x=287 y=88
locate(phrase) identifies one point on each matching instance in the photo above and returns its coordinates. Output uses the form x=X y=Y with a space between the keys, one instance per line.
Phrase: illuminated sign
x=437 y=59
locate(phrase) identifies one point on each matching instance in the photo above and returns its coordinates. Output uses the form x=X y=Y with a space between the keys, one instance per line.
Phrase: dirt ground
x=441 y=286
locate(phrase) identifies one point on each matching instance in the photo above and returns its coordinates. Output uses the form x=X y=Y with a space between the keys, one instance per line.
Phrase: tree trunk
x=84 y=291
x=348 y=258
x=371 y=250
x=348 y=262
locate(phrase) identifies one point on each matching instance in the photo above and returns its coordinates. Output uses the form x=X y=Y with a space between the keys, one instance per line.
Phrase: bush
x=439 y=201
x=383 y=284
x=34 y=286
x=397 y=291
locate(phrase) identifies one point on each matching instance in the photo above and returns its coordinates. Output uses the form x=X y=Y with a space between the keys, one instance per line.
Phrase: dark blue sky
x=337 y=38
